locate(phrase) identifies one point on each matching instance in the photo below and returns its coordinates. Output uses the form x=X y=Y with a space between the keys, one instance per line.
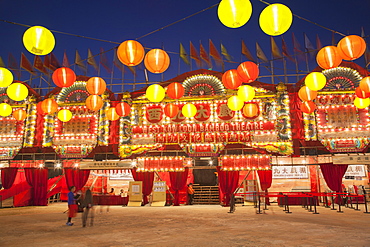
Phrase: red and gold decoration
x=161 y=163
x=245 y=162
x=130 y=53
x=157 y=61
x=64 y=77
x=248 y=71
x=231 y=79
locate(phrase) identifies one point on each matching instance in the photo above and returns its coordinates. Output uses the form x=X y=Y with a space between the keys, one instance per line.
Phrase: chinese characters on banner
x=290 y=172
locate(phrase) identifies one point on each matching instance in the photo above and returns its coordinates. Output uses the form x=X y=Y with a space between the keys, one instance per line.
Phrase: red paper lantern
x=39 y=109
x=157 y=61
x=248 y=71
x=94 y=102
x=175 y=90
x=130 y=53
x=361 y=93
x=123 y=109
x=308 y=107
x=96 y=86
x=328 y=57
x=112 y=114
x=64 y=77
x=20 y=114
x=351 y=47
x=49 y=106
x=231 y=79
x=171 y=110
x=306 y=94
x=365 y=84
x=250 y=110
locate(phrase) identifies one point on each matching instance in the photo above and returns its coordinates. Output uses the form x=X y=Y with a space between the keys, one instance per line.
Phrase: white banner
x=106 y=165
x=290 y=172
x=356 y=170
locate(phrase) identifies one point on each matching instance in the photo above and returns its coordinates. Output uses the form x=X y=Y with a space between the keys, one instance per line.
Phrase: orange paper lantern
x=96 y=86
x=351 y=47
x=328 y=57
x=306 y=94
x=49 y=106
x=248 y=71
x=171 y=110
x=231 y=79
x=112 y=114
x=365 y=84
x=157 y=61
x=64 y=77
x=20 y=114
x=130 y=53
x=175 y=90
x=94 y=102
x=250 y=110
x=39 y=109
x=123 y=109
x=307 y=107
x=361 y=93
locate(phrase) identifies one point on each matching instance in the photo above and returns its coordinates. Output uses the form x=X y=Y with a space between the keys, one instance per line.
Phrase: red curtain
x=38 y=179
x=333 y=175
x=147 y=178
x=8 y=176
x=76 y=177
x=178 y=182
x=265 y=177
x=228 y=182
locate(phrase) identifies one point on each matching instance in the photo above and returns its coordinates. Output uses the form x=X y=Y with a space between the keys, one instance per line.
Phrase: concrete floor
x=184 y=226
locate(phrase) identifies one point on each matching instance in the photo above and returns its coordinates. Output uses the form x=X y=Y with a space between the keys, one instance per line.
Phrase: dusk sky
x=116 y=21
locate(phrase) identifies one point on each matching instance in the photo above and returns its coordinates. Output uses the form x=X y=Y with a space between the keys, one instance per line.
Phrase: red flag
x=284 y=49
x=297 y=48
x=38 y=64
x=47 y=62
x=194 y=54
x=213 y=52
x=14 y=66
x=25 y=64
x=204 y=55
x=247 y=53
x=80 y=63
x=65 y=61
x=54 y=63
x=318 y=43
x=104 y=61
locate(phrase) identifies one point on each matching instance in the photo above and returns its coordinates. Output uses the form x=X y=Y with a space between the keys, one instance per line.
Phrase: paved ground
x=184 y=226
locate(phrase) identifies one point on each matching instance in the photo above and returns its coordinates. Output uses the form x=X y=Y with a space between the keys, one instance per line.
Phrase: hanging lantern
x=315 y=81
x=246 y=93
x=189 y=110
x=175 y=90
x=365 y=84
x=155 y=93
x=248 y=71
x=64 y=115
x=94 y=102
x=306 y=94
x=130 y=53
x=64 y=77
x=39 y=109
x=275 y=19
x=112 y=114
x=231 y=79
x=361 y=93
x=234 y=13
x=123 y=109
x=351 y=47
x=361 y=103
x=38 y=40
x=6 y=77
x=251 y=110
x=328 y=57
x=20 y=114
x=307 y=107
x=171 y=110
x=49 y=106
x=235 y=103
x=17 y=91
x=96 y=86
x=157 y=61
x=5 y=109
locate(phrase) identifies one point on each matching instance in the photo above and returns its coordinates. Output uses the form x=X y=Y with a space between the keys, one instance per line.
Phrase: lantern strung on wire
x=64 y=77
x=155 y=93
x=112 y=114
x=189 y=110
x=171 y=110
x=365 y=84
x=306 y=94
x=94 y=102
x=5 y=110
x=246 y=93
x=361 y=103
x=231 y=79
x=248 y=71
x=250 y=110
x=123 y=109
x=20 y=114
x=315 y=81
x=17 y=91
x=38 y=40
x=308 y=107
x=351 y=47
x=275 y=19
x=96 y=86
x=235 y=103
x=234 y=13
x=130 y=53
x=361 y=93
x=328 y=57
x=64 y=115
x=6 y=77
x=157 y=61
x=175 y=90
x=49 y=106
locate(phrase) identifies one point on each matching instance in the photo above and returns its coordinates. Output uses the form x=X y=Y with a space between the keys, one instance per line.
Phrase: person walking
x=87 y=205
x=190 y=193
x=72 y=206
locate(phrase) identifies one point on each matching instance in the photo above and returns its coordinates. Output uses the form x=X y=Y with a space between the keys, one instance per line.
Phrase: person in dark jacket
x=87 y=205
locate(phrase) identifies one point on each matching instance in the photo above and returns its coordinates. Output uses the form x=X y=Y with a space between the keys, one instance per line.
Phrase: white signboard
x=95 y=165
x=352 y=159
x=356 y=170
x=290 y=172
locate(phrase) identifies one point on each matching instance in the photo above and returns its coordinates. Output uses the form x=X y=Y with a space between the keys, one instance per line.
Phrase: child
x=72 y=206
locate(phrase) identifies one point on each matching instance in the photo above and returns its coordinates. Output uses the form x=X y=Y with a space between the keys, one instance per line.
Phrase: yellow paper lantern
x=38 y=40
x=276 y=19
x=235 y=103
x=155 y=93
x=5 y=109
x=234 y=13
x=6 y=77
x=315 y=81
x=65 y=115
x=189 y=110
x=17 y=91
x=365 y=84
x=246 y=93
x=361 y=103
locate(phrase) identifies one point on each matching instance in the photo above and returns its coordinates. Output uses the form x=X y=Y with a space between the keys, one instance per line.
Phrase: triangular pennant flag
x=297 y=48
x=225 y=53
x=65 y=61
x=104 y=61
x=194 y=54
x=284 y=49
x=213 y=52
x=116 y=62
x=204 y=55
x=318 y=43
x=247 y=53
x=26 y=64
x=80 y=63
x=183 y=55
x=54 y=63
x=260 y=54
x=309 y=47
x=14 y=66
x=2 y=64
x=38 y=64
x=91 y=60
x=47 y=62
x=276 y=54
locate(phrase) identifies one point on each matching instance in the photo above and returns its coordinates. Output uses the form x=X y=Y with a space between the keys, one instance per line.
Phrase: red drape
x=265 y=177
x=38 y=179
x=8 y=176
x=178 y=182
x=76 y=177
x=147 y=178
x=228 y=182
x=333 y=175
